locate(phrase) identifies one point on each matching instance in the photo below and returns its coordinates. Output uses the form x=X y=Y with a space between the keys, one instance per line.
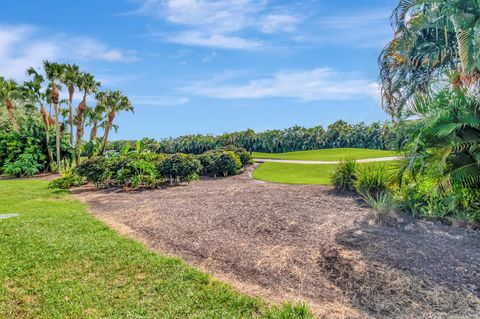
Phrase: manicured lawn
x=335 y=154
x=57 y=261
x=294 y=173
x=287 y=173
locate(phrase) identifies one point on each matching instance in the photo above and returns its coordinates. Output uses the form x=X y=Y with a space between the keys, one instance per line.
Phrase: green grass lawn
x=294 y=173
x=287 y=173
x=57 y=261
x=335 y=154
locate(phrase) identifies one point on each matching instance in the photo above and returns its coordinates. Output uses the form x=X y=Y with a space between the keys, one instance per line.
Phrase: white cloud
x=213 y=40
x=22 y=47
x=154 y=100
x=273 y=23
x=218 y=23
x=311 y=85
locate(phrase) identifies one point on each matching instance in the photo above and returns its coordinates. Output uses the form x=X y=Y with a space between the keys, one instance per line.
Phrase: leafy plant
x=372 y=180
x=343 y=177
x=25 y=165
x=179 y=168
x=220 y=163
x=68 y=180
x=95 y=170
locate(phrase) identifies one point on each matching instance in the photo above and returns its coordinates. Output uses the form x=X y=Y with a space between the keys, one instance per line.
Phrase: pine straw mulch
x=304 y=243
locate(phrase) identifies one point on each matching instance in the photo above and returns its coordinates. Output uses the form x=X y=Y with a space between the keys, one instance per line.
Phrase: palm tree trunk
x=111 y=116
x=11 y=115
x=54 y=97
x=57 y=136
x=78 y=145
x=71 y=91
x=46 y=121
x=93 y=132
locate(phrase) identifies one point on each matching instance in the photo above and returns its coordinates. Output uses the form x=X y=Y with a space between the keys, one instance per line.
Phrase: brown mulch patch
x=304 y=243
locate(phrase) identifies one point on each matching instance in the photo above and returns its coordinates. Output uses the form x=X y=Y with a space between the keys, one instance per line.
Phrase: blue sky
x=200 y=66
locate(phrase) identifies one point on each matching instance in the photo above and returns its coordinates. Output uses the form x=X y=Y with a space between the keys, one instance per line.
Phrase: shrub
x=344 y=175
x=25 y=165
x=372 y=180
x=96 y=171
x=67 y=181
x=135 y=170
x=179 y=168
x=221 y=163
x=245 y=157
x=383 y=203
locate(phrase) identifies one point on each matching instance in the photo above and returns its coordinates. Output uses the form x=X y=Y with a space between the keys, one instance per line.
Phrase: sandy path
x=304 y=243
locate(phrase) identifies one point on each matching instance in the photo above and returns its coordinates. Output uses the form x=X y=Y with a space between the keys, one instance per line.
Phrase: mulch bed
x=304 y=243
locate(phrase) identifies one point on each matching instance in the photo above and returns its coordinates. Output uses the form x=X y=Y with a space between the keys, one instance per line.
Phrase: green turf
x=334 y=154
x=287 y=173
x=294 y=173
x=57 y=261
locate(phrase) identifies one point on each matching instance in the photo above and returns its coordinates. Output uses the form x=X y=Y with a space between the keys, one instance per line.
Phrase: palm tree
x=70 y=80
x=54 y=72
x=115 y=102
x=34 y=87
x=9 y=90
x=88 y=85
x=431 y=37
x=445 y=142
x=95 y=115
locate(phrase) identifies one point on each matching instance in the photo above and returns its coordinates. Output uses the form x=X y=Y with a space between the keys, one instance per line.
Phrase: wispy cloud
x=362 y=29
x=25 y=46
x=310 y=85
x=220 y=23
x=156 y=100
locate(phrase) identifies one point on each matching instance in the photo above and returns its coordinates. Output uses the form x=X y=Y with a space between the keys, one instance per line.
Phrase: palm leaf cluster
x=431 y=37
x=445 y=145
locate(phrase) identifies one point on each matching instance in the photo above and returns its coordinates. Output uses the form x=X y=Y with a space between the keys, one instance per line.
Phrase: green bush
x=245 y=157
x=220 y=163
x=424 y=198
x=179 y=168
x=136 y=170
x=372 y=179
x=95 y=170
x=68 y=180
x=25 y=165
x=344 y=175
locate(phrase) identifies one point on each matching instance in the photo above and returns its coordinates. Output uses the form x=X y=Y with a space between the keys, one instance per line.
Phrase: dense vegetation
x=140 y=168
x=34 y=139
x=430 y=77
x=340 y=134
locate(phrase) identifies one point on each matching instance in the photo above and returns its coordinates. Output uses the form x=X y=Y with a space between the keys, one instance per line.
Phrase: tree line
x=378 y=135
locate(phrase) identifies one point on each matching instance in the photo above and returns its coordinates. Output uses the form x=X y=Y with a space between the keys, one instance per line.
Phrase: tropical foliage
x=141 y=168
x=28 y=129
x=432 y=38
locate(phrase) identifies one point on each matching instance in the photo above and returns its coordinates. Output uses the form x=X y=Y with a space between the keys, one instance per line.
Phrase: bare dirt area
x=304 y=243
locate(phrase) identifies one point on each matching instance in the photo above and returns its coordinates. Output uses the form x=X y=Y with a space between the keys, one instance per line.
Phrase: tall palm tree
x=430 y=38
x=54 y=72
x=88 y=85
x=115 y=102
x=70 y=80
x=34 y=87
x=9 y=90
